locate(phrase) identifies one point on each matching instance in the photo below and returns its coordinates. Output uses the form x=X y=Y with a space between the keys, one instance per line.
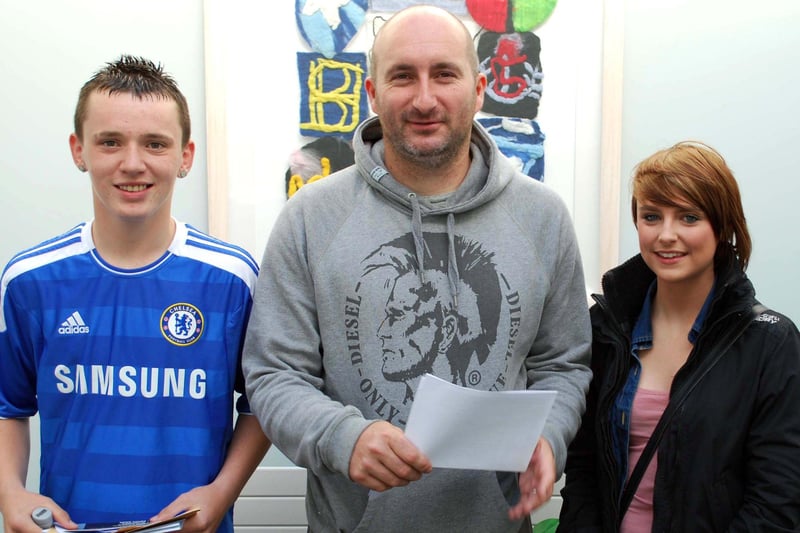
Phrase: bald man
x=431 y=254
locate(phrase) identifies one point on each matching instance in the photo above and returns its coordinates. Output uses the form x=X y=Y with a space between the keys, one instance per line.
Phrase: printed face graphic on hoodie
x=417 y=327
x=440 y=319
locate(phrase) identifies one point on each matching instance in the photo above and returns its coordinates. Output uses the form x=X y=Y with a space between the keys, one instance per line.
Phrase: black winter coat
x=730 y=460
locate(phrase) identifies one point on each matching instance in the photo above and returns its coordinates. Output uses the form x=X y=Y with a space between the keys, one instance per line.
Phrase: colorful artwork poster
x=520 y=140
x=456 y=7
x=316 y=160
x=511 y=64
x=507 y=16
x=333 y=100
x=328 y=26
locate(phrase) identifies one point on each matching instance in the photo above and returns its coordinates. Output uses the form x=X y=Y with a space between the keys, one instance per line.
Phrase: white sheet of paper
x=458 y=427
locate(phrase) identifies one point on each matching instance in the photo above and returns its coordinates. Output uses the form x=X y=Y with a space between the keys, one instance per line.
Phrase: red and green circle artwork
x=504 y=16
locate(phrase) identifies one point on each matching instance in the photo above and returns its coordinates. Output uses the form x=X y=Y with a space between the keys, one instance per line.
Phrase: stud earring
x=81 y=167
x=182 y=173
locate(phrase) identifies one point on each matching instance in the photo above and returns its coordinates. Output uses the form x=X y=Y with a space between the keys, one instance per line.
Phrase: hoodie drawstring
x=419 y=247
x=416 y=232
x=452 y=266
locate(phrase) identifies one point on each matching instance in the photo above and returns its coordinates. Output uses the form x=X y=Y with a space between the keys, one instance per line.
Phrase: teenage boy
x=125 y=333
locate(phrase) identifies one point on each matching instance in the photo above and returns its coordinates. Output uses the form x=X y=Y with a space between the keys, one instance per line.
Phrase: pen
x=43 y=517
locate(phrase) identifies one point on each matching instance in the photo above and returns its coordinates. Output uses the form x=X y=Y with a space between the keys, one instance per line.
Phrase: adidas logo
x=73 y=325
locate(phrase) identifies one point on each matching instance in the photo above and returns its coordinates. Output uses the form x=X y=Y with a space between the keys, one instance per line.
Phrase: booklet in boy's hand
x=140 y=526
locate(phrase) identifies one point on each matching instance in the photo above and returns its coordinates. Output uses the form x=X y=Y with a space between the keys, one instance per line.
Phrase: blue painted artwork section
x=328 y=26
x=520 y=140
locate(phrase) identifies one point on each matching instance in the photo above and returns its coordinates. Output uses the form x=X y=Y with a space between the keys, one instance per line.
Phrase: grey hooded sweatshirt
x=365 y=287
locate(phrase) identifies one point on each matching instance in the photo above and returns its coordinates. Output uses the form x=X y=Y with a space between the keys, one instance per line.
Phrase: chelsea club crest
x=182 y=324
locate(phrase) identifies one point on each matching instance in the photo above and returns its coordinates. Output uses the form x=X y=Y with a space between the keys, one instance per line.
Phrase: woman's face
x=677 y=243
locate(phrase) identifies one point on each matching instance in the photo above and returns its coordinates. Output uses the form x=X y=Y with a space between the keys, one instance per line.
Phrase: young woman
x=729 y=459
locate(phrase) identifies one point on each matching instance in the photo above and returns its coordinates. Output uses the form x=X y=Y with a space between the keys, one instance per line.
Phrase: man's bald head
x=405 y=17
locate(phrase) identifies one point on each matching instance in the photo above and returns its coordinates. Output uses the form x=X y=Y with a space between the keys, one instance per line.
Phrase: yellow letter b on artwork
x=332 y=101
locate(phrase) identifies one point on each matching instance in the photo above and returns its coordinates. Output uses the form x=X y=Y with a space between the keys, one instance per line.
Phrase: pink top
x=648 y=406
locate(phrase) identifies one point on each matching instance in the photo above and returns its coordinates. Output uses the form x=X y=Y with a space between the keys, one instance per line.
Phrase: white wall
x=724 y=72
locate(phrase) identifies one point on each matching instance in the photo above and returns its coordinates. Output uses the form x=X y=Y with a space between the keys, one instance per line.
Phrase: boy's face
x=132 y=150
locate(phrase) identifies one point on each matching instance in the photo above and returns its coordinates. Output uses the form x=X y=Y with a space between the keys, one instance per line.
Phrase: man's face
x=411 y=333
x=132 y=150
x=424 y=90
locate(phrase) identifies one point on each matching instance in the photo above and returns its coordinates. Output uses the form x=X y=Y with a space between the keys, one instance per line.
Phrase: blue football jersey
x=133 y=372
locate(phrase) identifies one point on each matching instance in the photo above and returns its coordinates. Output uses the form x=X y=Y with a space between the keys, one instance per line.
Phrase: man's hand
x=536 y=483
x=18 y=506
x=384 y=458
